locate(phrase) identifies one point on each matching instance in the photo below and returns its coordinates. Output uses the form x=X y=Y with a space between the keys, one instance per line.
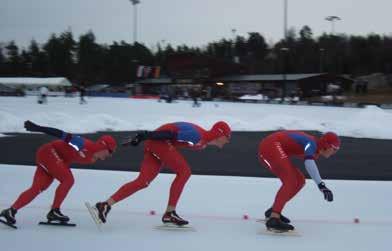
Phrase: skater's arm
x=75 y=141
x=32 y=127
x=312 y=169
x=149 y=135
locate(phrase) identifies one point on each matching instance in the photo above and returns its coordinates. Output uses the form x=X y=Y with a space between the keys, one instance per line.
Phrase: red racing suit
x=159 y=153
x=275 y=151
x=53 y=160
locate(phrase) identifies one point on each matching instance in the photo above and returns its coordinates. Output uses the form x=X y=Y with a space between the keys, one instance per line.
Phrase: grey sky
x=189 y=22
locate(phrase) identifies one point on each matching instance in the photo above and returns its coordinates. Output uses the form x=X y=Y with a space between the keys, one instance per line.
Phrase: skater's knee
x=184 y=175
x=300 y=182
x=35 y=190
x=290 y=185
x=142 y=183
x=69 y=182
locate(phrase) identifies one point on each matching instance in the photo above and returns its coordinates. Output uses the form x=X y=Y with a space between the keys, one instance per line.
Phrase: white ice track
x=214 y=205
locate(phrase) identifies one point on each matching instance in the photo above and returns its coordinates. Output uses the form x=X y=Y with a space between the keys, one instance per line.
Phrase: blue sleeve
x=76 y=142
x=310 y=147
x=187 y=132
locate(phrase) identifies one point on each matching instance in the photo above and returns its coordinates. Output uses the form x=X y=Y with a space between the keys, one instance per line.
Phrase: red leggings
x=157 y=154
x=49 y=166
x=272 y=155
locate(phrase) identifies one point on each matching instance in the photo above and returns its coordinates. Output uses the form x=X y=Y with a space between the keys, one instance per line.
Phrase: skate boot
x=267 y=215
x=9 y=215
x=55 y=215
x=172 y=217
x=277 y=225
x=103 y=209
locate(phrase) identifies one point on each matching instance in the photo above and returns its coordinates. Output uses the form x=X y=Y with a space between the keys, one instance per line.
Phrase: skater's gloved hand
x=135 y=141
x=30 y=126
x=328 y=196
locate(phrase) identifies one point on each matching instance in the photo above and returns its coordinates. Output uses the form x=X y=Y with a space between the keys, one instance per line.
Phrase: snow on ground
x=122 y=114
x=214 y=205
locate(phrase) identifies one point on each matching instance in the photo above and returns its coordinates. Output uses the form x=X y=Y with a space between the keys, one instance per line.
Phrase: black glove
x=31 y=127
x=328 y=196
x=135 y=140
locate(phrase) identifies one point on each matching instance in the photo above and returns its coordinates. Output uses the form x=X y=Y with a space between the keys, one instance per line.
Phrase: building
x=232 y=86
x=30 y=86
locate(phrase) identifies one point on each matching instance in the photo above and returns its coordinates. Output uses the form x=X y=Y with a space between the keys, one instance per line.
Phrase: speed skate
x=94 y=215
x=174 y=227
x=266 y=231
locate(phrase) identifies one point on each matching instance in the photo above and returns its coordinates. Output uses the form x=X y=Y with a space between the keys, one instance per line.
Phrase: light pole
x=322 y=50
x=284 y=53
x=285 y=19
x=234 y=53
x=134 y=3
x=284 y=50
x=332 y=19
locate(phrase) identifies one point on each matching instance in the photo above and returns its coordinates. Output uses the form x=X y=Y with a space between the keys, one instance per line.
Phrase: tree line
x=85 y=62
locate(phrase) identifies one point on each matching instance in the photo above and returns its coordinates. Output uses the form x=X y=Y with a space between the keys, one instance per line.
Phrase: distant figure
x=275 y=151
x=43 y=95
x=195 y=96
x=53 y=161
x=82 y=91
x=162 y=148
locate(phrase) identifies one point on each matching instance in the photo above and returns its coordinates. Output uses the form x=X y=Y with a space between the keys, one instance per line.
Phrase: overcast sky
x=190 y=22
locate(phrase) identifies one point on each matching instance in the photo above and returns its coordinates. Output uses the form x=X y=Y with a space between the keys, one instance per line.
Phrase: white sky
x=214 y=205
x=125 y=114
x=189 y=22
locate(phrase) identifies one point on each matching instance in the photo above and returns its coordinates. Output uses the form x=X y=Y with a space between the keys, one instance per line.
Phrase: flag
x=146 y=71
x=140 y=71
x=157 y=71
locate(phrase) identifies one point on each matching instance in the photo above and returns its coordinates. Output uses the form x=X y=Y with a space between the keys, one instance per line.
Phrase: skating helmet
x=109 y=142
x=329 y=139
x=220 y=129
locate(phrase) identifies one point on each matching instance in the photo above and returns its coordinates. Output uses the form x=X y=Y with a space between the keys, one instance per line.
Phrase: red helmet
x=109 y=142
x=329 y=139
x=220 y=129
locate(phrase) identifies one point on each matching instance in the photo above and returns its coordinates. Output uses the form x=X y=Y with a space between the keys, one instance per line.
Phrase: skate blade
x=279 y=232
x=94 y=215
x=8 y=224
x=174 y=227
x=262 y=220
x=57 y=223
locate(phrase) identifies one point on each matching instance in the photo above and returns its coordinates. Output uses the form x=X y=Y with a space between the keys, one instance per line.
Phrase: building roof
x=35 y=81
x=269 y=77
x=154 y=81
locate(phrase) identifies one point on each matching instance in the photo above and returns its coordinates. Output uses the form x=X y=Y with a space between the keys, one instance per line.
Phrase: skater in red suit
x=275 y=151
x=161 y=148
x=53 y=160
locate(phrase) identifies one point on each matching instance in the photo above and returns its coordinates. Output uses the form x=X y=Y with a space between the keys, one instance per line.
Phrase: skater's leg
x=63 y=174
x=41 y=182
x=178 y=164
x=299 y=182
x=173 y=159
x=276 y=160
x=149 y=170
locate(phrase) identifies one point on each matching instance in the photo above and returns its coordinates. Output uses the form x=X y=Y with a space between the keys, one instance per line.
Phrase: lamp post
x=234 y=53
x=284 y=53
x=322 y=51
x=333 y=19
x=284 y=50
x=285 y=19
x=134 y=3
